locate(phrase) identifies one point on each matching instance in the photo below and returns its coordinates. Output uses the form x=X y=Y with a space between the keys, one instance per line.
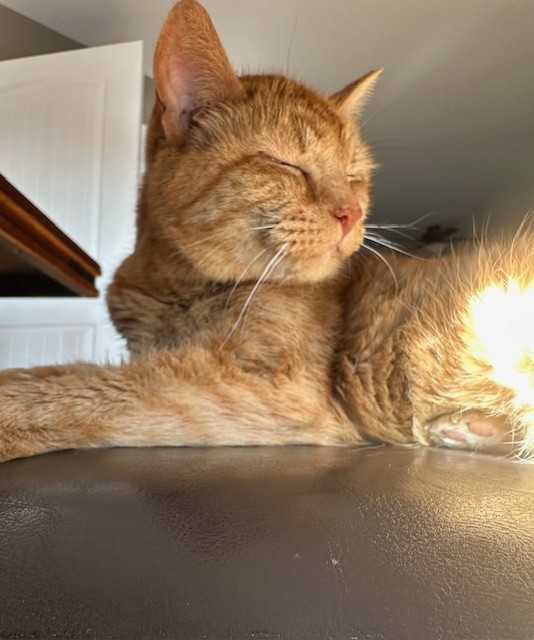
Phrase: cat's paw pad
x=470 y=429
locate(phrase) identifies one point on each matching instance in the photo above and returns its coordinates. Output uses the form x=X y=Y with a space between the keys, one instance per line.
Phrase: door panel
x=44 y=125
x=70 y=129
x=30 y=346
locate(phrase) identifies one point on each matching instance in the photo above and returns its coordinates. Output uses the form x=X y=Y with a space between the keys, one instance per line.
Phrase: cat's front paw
x=10 y=449
x=6 y=457
x=16 y=440
x=471 y=429
x=19 y=402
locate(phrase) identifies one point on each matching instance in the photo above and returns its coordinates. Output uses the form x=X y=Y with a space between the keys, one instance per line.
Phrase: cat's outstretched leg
x=189 y=397
x=471 y=429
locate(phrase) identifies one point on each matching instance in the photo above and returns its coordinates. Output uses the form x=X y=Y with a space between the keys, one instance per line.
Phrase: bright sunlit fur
x=247 y=318
x=501 y=320
x=499 y=330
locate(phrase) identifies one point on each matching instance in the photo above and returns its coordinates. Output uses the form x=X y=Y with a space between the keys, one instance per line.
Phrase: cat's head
x=251 y=175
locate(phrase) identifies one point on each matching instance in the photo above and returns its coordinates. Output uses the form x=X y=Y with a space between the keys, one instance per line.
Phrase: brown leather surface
x=308 y=543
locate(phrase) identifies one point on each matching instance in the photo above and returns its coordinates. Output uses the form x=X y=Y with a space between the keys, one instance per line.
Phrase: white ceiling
x=452 y=119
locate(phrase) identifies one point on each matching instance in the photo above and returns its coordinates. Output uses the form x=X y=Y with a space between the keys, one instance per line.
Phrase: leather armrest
x=293 y=542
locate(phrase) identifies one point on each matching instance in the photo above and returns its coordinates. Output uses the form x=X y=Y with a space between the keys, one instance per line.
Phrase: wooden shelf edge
x=28 y=233
x=16 y=207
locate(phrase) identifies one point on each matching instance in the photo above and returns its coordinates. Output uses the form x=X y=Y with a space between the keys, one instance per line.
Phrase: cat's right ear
x=191 y=68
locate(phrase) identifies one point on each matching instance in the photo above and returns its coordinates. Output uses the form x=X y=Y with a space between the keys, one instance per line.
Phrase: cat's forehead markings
x=318 y=120
x=308 y=115
x=314 y=126
x=307 y=130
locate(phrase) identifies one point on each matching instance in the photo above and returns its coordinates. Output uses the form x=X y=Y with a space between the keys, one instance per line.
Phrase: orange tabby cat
x=243 y=326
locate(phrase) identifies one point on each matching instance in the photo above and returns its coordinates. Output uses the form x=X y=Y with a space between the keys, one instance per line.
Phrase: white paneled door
x=69 y=141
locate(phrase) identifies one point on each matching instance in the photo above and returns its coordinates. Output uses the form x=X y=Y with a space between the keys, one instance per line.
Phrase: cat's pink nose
x=348 y=215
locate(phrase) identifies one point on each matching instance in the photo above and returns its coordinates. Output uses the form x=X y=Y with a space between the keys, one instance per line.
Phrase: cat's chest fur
x=275 y=331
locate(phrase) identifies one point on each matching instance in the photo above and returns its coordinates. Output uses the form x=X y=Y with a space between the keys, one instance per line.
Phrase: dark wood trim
x=26 y=231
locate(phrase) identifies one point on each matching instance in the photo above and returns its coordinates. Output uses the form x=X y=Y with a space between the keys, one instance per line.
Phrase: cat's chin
x=321 y=266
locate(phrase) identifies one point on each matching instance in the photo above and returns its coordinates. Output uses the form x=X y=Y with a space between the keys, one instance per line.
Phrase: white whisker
x=267 y=226
x=391 y=227
x=236 y=283
x=204 y=259
x=404 y=235
x=193 y=244
x=393 y=247
x=379 y=255
x=406 y=225
x=271 y=265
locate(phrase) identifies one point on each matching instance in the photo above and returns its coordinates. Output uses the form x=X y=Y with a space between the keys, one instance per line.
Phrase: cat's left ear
x=352 y=99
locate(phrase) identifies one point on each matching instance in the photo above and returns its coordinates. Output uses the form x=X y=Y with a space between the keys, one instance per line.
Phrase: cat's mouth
x=339 y=248
x=319 y=264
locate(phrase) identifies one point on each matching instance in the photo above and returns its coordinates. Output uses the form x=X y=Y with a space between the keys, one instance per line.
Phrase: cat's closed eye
x=292 y=168
x=355 y=178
